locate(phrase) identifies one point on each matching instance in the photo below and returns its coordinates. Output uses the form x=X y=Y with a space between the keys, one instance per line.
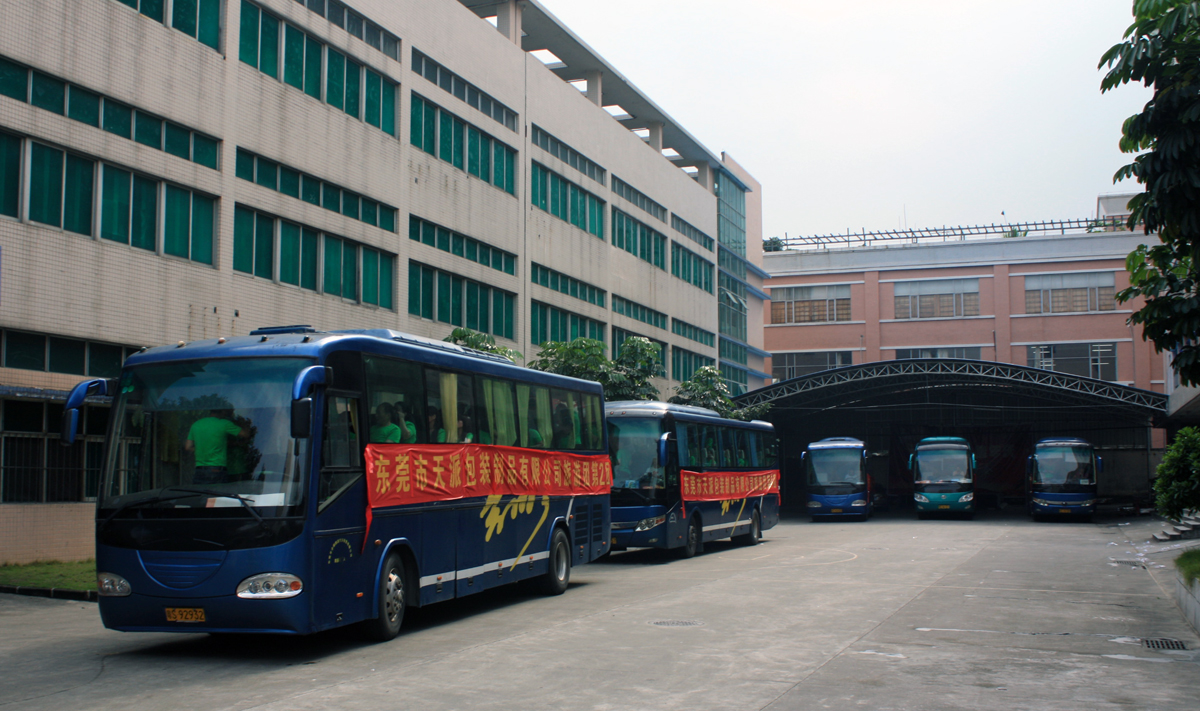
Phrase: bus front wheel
x=693 y=544
x=750 y=538
x=558 y=574
x=386 y=624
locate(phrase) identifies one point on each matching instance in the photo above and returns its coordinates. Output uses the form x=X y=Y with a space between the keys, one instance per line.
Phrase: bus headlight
x=858 y=502
x=966 y=497
x=1043 y=502
x=921 y=498
x=1089 y=502
x=814 y=504
x=648 y=523
x=270 y=586
x=112 y=585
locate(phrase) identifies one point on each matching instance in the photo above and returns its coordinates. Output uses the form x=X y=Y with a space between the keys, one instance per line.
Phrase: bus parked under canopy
x=838 y=485
x=943 y=476
x=1061 y=478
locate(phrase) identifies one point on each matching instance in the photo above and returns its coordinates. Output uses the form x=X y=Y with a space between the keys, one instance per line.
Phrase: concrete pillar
x=595 y=86
x=704 y=176
x=656 y=128
x=508 y=20
x=871 y=329
x=1002 y=307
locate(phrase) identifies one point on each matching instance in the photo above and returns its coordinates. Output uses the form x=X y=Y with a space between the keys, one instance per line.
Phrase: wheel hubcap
x=560 y=562
x=393 y=596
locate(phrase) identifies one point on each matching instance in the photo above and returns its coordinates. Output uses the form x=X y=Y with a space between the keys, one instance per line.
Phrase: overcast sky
x=865 y=114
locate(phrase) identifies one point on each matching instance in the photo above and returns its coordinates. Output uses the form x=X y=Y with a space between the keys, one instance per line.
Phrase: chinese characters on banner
x=719 y=486
x=412 y=474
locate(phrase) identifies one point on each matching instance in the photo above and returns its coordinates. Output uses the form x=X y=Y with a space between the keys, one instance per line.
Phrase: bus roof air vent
x=277 y=330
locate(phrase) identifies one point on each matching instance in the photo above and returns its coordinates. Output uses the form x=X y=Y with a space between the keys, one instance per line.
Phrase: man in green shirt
x=208 y=438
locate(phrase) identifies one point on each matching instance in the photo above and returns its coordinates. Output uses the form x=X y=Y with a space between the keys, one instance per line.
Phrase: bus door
x=443 y=548
x=339 y=570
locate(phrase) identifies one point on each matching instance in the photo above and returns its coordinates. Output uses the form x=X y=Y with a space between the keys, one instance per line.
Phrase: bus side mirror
x=910 y=460
x=974 y=464
x=1099 y=465
x=302 y=411
x=803 y=455
x=302 y=404
x=1029 y=466
x=70 y=416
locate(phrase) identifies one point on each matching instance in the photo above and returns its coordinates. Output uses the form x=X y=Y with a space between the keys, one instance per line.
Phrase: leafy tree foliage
x=707 y=388
x=1162 y=50
x=1177 y=487
x=627 y=377
x=773 y=244
x=475 y=340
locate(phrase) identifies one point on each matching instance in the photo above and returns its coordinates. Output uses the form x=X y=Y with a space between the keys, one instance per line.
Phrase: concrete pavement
x=996 y=613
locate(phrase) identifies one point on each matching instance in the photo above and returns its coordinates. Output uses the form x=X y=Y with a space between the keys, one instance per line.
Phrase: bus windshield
x=1064 y=465
x=205 y=438
x=633 y=446
x=943 y=465
x=835 y=466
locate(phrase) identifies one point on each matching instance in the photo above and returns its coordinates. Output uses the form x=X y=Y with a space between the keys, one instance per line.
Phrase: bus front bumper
x=144 y=613
x=1055 y=505
x=838 y=506
x=641 y=526
x=944 y=503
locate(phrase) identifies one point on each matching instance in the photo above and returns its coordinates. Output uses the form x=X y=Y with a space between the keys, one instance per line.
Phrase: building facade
x=187 y=169
x=1045 y=301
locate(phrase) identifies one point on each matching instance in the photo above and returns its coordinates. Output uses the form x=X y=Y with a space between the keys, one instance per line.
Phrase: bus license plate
x=1064 y=510
x=836 y=510
x=944 y=506
x=185 y=614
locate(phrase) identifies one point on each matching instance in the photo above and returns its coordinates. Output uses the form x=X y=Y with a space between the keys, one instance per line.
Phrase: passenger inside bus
x=383 y=429
x=208 y=439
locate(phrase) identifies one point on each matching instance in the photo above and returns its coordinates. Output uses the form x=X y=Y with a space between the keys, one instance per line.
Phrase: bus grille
x=597 y=522
x=582 y=524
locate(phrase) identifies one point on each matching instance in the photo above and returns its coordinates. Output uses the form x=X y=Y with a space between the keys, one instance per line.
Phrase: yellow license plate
x=944 y=506
x=836 y=510
x=1064 y=510
x=185 y=614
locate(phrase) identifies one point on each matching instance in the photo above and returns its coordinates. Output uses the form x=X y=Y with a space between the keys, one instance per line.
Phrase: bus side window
x=450 y=400
x=593 y=417
x=566 y=421
x=341 y=464
x=740 y=453
x=499 y=409
x=535 y=419
x=394 y=392
x=709 y=446
x=756 y=449
x=685 y=445
x=770 y=450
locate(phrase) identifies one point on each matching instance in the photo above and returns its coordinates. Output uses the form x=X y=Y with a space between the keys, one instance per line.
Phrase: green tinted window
x=147 y=130
x=10 y=174
x=49 y=93
x=289 y=182
x=312 y=67
x=264 y=246
x=332 y=282
x=183 y=16
x=14 y=80
x=114 y=204
x=209 y=25
x=45 y=185
x=293 y=56
x=77 y=195
x=308 y=259
x=203 y=209
x=248 y=37
x=24 y=350
x=178 y=221
x=204 y=151
x=335 y=78
x=104 y=361
x=179 y=141
x=289 y=253
x=245 y=165
x=243 y=240
x=144 y=216
x=268 y=46
x=118 y=119
x=353 y=88
x=67 y=355
x=310 y=190
x=84 y=106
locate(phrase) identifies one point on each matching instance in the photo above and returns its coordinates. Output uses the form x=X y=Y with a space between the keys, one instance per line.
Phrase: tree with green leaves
x=707 y=388
x=475 y=340
x=773 y=244
x=626 y=377
x=1177 y=487
x=1162 y=51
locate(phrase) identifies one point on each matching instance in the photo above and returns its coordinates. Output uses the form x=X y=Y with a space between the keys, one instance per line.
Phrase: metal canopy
x=830 y=389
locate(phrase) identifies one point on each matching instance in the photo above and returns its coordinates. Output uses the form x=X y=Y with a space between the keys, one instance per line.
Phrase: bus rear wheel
x=750 y=538
x=558 y=574
x=386 y=625
x=693 y=543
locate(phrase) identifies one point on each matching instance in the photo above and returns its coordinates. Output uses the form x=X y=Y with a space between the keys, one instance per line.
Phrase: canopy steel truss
x=947 y=234
x=852 y=383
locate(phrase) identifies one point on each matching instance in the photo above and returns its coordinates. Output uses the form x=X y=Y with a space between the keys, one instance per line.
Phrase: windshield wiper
x=186 y=493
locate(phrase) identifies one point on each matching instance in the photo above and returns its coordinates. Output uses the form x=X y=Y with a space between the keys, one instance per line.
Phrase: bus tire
x=750 y=538
x=694 y=542
x=558 y=570
x=390 y=613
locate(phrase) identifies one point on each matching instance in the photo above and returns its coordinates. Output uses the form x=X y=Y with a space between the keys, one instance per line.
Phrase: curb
x=56 y=593
x=1188 y=597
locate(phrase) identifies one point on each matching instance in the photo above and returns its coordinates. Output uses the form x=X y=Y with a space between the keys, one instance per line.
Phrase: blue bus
x=838 y=485
x=293 y=481
x=943 y=477
x=1061 y=478
x=684 y=475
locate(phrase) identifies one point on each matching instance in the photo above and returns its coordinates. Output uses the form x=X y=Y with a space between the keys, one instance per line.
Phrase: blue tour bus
x=246 y=480
x=943 y=476
x=838 y=485
x=684 y=475
x=1061 y=478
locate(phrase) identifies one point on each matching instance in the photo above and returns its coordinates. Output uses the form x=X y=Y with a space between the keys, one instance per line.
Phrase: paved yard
x=995 y=613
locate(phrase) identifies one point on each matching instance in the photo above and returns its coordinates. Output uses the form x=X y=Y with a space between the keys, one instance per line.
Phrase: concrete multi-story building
x=186 y=169
x=1040 y=299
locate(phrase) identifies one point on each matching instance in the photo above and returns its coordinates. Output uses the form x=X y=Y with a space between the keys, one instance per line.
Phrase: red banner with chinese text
x=720 y=486
x=412 y=474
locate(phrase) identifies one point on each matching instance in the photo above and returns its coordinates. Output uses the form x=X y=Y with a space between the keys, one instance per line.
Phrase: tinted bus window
x=535 y=421
x=709 y=446
x=755 y=452
x=450 y=400
x=500 y=412
x=770 y=450
x=686 y=444
x=567 y=422
x=340 y=452
x=740 y=448
x=593 y=420
x=395 y=392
